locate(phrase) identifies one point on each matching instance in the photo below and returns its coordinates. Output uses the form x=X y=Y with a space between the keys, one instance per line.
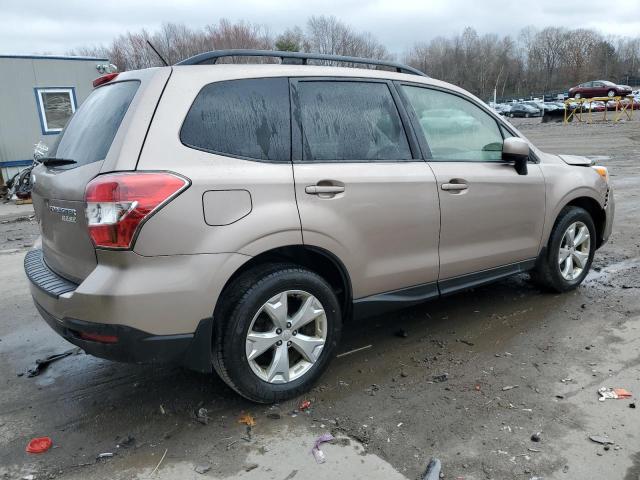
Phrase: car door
x=491 y=217
x=598 y=90
x=363 y=192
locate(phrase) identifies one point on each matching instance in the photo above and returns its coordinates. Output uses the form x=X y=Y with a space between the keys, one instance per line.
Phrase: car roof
x=219 y=72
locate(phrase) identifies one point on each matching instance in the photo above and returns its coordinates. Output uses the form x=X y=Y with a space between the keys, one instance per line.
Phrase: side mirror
x=516 y=150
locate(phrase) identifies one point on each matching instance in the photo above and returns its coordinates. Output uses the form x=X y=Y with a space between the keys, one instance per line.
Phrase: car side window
x=598 y=84
x=248 y=118
x=455 y=128
x=350 y=121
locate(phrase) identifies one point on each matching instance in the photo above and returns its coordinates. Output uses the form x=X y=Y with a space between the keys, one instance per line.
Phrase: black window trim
x=233 y=155
x=296 y=123
x=127 y=111
x=422 y=141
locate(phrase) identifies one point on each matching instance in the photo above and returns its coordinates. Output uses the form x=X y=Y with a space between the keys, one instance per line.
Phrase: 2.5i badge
x=66 y=214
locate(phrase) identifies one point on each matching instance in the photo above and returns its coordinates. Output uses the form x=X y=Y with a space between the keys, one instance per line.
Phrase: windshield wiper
x=54 y=162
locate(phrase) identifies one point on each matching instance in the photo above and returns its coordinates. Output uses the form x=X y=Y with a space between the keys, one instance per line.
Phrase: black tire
x=241 y=301
x=527 y=115
x=577 y=95
x=547 y=271
x=611 y=93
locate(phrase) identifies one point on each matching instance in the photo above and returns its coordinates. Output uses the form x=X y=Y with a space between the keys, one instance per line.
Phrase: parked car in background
x=599 y=88
x=501 y=108
x=523 y=110
x=539 y=106
x=234 y=217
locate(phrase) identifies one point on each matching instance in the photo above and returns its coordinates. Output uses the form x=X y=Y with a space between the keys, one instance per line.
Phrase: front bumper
x=609 y=210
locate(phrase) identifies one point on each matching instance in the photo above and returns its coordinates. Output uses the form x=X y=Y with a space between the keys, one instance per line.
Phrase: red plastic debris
x=39 y=445
x=304 y=405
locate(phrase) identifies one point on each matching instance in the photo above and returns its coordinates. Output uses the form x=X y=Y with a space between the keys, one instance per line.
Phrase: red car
x=599 y=88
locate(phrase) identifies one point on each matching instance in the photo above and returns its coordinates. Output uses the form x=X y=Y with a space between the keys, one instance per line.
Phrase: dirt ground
x=518 y=362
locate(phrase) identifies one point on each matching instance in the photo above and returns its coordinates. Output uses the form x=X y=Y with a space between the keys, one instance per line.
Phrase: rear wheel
x=569 y=254
x=611 y=93
x=280 y=327
x=527 y=115
x=577 y=95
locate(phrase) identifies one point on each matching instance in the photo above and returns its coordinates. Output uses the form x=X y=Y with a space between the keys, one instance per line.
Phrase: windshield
x=90 y=132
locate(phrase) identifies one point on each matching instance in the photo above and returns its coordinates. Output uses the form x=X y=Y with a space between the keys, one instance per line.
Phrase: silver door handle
x=323 y=189
x=454 y=186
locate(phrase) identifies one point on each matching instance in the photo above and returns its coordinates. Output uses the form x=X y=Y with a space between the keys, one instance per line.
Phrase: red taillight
x=96 y=337
x=118 y=204
x=104 y=79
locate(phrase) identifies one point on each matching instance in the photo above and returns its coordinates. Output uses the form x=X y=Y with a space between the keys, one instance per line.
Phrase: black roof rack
x=296 y=58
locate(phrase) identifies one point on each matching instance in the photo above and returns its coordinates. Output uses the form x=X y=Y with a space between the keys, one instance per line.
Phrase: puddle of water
x=287 y=454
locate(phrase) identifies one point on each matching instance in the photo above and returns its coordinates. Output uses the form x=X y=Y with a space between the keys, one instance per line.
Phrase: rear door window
x=90 y=132
x=247 y=118
x=350 y=121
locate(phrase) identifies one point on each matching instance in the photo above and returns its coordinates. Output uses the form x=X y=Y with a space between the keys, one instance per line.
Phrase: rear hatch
x=94 y=139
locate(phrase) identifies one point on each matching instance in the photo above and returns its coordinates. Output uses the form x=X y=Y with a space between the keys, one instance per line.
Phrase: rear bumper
x=136 y=346
x=159 y=308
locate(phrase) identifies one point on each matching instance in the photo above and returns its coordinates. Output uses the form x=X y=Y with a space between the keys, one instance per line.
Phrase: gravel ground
x=514 y=362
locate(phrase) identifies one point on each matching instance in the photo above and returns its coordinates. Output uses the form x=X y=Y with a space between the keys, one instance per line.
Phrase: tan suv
x=232 y=217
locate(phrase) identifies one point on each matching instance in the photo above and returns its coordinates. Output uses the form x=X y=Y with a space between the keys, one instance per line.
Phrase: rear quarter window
x=90 y=132
x=246 y=118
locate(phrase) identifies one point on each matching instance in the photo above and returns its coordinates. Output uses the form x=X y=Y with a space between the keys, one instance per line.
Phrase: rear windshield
x=88 y=136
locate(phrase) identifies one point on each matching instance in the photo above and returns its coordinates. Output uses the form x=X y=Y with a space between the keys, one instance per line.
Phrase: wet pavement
x=517 y=362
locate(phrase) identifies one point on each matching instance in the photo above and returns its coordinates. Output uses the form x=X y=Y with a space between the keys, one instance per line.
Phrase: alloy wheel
x=286 y=336
x=575 y=248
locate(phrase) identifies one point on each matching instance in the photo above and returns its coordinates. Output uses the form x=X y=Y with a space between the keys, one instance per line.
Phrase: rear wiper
x=53 y=162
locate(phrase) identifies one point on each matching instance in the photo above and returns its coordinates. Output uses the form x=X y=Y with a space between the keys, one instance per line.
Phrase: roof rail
x=298 y=58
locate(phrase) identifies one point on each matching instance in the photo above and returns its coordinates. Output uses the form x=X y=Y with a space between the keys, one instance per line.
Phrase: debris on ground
x=433 y=470
x=443 y=377
x=318 y=454
x=162 y=410
x=104 y=455
x=536 y=437
x=344 y=354
x=247 y=420
x=202 y=468
x=466 y=342
x=251 y=466
x=41 y=365
x=632 y=405
x=371 y=390
x=402 y=333
x=274 y=416
x=304 y=405
x=39 y=445
x=509 y=387
x=128 y=441
x=613 y=393
x=202 y=416
x=601 y=440
x=158 y=465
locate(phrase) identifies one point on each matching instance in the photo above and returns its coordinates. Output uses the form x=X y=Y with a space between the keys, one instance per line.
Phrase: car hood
x=576 y=160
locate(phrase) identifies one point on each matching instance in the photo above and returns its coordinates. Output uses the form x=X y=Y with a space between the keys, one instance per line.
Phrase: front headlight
x=602 y=171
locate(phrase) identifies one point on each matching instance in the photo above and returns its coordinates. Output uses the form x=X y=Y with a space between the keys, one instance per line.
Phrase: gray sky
x=39 y=26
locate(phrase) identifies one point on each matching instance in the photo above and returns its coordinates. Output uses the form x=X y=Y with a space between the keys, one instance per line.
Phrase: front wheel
x=611 y=93
x=569 y=254
x=281 y=325
x=577 y=96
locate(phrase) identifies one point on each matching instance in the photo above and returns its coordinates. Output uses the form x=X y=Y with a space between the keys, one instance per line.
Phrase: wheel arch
x=317 y=259
x=593 y=207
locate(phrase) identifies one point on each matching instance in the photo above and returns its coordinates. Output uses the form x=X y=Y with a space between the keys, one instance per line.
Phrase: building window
x=55 y=107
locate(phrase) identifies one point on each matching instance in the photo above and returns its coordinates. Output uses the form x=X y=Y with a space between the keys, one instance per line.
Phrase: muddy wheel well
x=596 y=212
x=322 y=262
